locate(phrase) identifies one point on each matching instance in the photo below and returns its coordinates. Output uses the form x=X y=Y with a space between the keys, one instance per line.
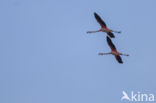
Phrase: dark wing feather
x=99 y=20
x=111 y=45
x=119 y=59
x=111 y=34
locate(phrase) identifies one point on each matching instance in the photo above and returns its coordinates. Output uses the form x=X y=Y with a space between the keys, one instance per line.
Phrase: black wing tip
x=108 y=39
x=119 y=59
x=120 y=62
x=111 y=34
x=98 y=18
x=95 y=13
x=110 y=43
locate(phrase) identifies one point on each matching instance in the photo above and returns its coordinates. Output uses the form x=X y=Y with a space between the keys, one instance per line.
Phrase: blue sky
x=47 y=57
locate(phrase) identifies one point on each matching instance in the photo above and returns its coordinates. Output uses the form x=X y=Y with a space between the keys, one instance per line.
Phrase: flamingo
x=114 y=51
x=103 y=27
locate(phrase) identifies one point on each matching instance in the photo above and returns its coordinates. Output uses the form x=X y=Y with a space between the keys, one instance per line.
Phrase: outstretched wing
x=99 y=20
x=111 y=45
x=119 y=59
x=111 y=34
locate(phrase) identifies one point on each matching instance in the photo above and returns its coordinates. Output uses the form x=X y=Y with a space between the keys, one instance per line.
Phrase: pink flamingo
x=114 y=51
x=103 y=27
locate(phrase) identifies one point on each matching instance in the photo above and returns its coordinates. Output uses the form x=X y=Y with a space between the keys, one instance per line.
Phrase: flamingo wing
x=110 y=43
x=111 y=34
x=99 y=20
x=119 y=59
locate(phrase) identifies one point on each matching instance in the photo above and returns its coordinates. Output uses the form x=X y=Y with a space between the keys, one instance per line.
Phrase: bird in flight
x=103 y=27
x=114 y=51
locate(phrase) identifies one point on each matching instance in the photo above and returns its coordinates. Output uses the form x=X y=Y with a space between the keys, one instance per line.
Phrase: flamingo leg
x=116 y=31
x=125 y=54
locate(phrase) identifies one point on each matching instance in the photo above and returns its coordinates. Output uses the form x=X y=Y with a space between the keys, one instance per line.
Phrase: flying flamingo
x=114 y=51
x=103 y=27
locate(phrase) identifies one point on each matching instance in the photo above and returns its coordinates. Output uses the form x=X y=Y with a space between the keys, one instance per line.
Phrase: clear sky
x=46 y=56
